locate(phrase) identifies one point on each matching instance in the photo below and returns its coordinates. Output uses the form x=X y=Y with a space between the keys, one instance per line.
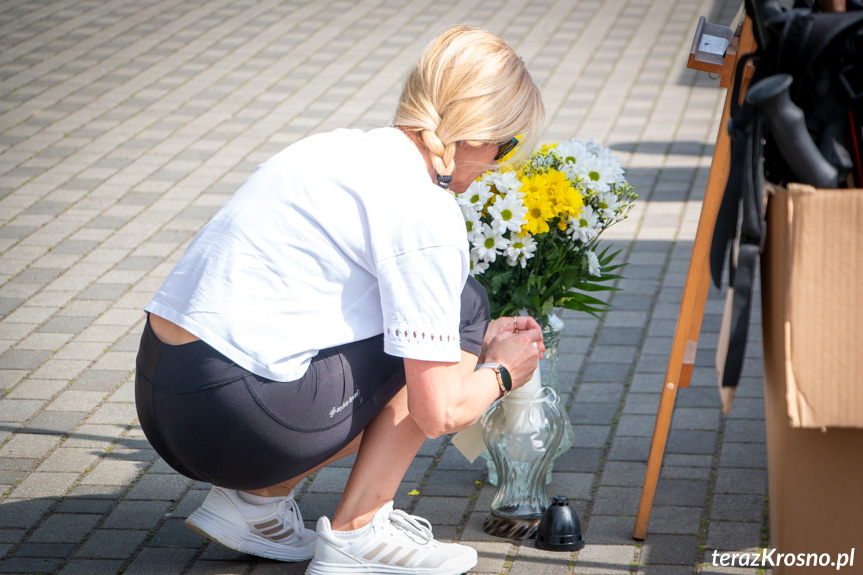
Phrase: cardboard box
x=816 y=288
x=812 y=305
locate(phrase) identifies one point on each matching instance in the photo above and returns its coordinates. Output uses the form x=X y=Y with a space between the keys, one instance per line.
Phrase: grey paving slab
x=31 y=565
x=744 y=508
x=610 y=530
x=676 y=520
x=611 y=559
x=152 y=561
x=593 y=413
x=669 y=550
x=124 y=127
x=92 y=567
x=443 y=510
x=734 y=536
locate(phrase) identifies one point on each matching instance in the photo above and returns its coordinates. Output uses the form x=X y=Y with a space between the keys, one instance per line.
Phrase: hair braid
x=442 y=155
x=468 y=85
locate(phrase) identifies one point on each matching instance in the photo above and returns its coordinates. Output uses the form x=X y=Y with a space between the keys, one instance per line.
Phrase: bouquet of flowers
x=534 y=229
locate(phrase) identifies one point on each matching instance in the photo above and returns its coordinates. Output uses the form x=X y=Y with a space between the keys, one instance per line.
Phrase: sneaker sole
x=321 y=568
x=213 y=527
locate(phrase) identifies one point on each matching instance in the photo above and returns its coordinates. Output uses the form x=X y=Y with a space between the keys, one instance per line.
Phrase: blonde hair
x=469 y=85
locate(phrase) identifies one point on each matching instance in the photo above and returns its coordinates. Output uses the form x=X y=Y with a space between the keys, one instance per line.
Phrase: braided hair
x=468 y=86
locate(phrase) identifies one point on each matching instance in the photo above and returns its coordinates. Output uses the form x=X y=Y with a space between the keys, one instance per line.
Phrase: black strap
x=741 y=309
x=749 y=246
x=739 y=129
x=793 y=42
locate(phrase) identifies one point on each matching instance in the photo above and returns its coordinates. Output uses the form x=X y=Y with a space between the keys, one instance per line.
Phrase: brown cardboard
x=811 y=311
x=817 y=241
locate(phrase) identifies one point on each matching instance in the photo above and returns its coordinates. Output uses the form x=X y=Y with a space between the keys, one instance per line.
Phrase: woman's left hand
x=511 y=326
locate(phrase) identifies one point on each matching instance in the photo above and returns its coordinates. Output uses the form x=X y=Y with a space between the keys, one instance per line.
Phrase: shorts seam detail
x=281 y=421
x=169 y=391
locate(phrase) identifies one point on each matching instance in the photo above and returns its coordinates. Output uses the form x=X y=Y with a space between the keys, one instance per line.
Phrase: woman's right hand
x=517 y=352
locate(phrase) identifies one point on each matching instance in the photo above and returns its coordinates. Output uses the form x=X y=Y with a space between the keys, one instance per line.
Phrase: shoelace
x=412 y=525
x=287 y=507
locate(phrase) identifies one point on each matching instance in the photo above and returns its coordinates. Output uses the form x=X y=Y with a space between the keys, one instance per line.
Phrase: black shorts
x=216 y=422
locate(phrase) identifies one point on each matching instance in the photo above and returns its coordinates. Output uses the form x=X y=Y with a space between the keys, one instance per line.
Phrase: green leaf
x=595 y=287
x=583 y=298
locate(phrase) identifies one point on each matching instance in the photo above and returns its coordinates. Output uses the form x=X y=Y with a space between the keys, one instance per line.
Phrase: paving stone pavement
x=125 y=124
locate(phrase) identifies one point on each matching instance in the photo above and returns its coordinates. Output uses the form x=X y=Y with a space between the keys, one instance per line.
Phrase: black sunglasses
x=505 y=148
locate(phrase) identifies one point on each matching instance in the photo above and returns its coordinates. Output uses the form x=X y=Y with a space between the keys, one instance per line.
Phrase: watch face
x=505 y=378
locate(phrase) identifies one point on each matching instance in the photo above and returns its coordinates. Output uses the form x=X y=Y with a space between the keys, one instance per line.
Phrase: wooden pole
x=682 y=360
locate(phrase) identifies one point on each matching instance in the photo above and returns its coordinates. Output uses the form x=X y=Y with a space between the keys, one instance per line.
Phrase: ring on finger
x=515 y=325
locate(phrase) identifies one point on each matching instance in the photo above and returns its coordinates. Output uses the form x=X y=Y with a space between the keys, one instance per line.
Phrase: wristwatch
x=504 y=380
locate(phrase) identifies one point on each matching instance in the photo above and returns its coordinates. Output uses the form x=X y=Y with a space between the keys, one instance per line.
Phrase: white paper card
x=713 y=44
x=469 y=441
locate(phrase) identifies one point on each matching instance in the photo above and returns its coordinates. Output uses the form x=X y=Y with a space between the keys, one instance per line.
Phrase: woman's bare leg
x=390 y=443
x=285 y=487
x=385 y=450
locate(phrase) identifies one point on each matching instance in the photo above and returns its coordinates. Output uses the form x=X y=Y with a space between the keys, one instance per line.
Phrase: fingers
x=531 y=337
x=504 y=328
x=525 y=322
x=516 y=324
x=521 y=343
x=507 y=324
x=494 y=329
x=534 y=335
x=497 y=326
x=520 y=353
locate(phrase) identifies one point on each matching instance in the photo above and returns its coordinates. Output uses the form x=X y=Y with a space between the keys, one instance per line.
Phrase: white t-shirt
x=338 y=238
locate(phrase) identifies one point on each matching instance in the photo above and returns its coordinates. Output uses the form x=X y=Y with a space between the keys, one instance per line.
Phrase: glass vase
x=522 y=434
x=552 y=331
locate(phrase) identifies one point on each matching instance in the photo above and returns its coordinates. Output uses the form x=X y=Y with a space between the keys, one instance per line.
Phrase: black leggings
x=216 y=422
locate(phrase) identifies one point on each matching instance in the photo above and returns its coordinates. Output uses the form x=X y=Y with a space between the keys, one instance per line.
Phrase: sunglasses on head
x=505 y=148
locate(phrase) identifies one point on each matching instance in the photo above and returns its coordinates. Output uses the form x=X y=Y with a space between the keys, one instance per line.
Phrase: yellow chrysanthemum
x=568 y=202
x=536 y=184
x=548 y=147
x=539 y=204
x=535 y=226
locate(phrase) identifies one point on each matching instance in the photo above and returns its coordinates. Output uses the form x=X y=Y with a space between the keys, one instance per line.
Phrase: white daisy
x=471 y=220
x=505 y=182
x=593 y=266
x=585 y=226
x=520 y=250
x=595 y=173
x=477 y=194
x=477 y=266
x=508 y=212
x=489 y=243
x=613 y=167
x=572 y=151
x=594 y=148
x=568 y=168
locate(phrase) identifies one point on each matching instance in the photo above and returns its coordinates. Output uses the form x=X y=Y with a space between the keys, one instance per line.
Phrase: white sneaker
x=274 y=530
x=394 y=542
